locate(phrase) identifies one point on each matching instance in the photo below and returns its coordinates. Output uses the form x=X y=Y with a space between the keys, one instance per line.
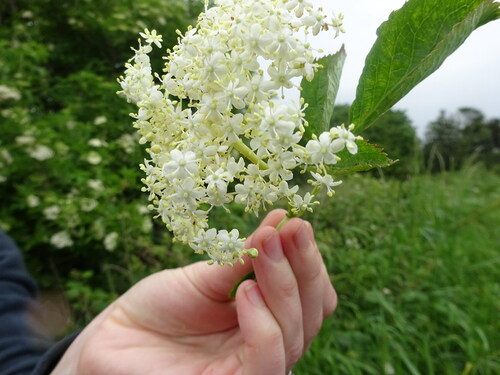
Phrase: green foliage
x=395 y=134
x=69 y=177
x=367 y=157
x=416 y=271
x=411 y=45
x=321 y=92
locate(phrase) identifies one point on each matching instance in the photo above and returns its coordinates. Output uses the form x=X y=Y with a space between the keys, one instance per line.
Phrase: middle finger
x=280 y=290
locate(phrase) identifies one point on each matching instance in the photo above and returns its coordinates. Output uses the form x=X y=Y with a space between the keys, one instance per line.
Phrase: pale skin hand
x=181 y=321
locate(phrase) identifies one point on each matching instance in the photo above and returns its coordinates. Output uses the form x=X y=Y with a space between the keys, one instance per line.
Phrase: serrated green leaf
x=367 y=157
x=411 y=45
x=321 y=92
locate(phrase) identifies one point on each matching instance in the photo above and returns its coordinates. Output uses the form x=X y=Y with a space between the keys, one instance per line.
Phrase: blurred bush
x=69 y=177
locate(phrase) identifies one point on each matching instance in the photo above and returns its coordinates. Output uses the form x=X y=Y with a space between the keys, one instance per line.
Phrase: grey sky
x=470 y=77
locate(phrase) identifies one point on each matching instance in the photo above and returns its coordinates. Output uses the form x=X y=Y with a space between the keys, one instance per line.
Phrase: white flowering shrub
x=218 y=124
x=68 y=158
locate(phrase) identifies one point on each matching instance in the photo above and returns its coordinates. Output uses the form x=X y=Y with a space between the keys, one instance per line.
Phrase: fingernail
x=272 y=247
x=303 y=236
x=254 y=295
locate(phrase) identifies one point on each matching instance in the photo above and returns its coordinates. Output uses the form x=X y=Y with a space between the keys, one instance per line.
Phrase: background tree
x=453 y=139
x=442 y=144
x=480 y=136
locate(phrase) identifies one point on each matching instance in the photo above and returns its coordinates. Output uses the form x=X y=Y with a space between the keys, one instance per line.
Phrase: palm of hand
x=200 y=336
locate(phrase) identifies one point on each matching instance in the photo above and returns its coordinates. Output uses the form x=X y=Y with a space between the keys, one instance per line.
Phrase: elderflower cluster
x=219 y=131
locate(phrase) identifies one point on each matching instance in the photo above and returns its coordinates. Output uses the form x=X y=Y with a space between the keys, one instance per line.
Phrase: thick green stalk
x=244 y=150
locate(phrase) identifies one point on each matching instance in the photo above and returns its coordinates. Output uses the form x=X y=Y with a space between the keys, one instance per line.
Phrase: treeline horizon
x=449 y=142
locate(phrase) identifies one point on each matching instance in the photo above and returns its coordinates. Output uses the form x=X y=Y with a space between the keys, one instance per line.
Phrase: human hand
x=181 y=321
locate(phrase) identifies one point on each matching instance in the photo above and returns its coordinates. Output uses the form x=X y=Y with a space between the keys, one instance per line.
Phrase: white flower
x=96 y=185
x=322 y=150
x=51 y=212
x=337 y=23
x=282 y=75
x=301 y=204
x=286 y=191
x=152 y=37
x=25 y=139
x=7 y=93
x=99 y=120
x=88 y=204
x=181 y=164
x=2 y=179
x=27 y=14
x=344 y=138
x=256 y=39
x=230 y=243
x=41 y=153
x=259 y=89
x=325 y=180
x=204 y=240
x=94 y=142
x=61 y=240
x=187 y=193
x=233 y=94
x=218 y=180
x=32 y=201
x=111 y=241
x=93 y=158
x=248 y=191
x=233 y=128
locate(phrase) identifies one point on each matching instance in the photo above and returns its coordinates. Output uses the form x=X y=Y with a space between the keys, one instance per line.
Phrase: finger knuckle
x=289 y=289
x=312 y=274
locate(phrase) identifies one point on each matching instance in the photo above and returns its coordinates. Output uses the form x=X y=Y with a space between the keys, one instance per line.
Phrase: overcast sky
x=469 y=77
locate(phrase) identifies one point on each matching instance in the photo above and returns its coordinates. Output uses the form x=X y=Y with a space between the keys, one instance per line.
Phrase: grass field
x=416 y=265
x=417 y=268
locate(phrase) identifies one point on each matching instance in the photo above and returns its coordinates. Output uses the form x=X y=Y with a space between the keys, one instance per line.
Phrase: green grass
x=416 y=265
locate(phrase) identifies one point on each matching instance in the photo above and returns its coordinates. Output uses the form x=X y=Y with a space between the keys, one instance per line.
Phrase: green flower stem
x=244 y=150
x=284 y=221
x=248 y=276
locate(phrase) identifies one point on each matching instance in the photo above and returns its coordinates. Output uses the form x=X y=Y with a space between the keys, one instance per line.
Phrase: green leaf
x=411 y=45
x=321 y=92
x=367 y=157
